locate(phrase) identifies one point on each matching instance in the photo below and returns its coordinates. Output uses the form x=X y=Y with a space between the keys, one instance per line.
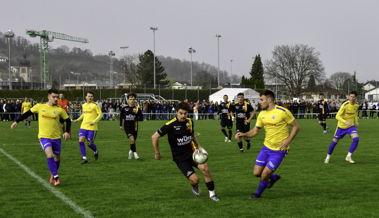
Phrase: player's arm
x=99 y=115
x=252 y=114
x=295 y=130
x=155 y=139
x=356 y=119
x=22 y=109
x=139 y=115
x=121 y=119
x=80 y=118
x=22 y=117
x=252 y=133
x=231 y=111
x=339 y=116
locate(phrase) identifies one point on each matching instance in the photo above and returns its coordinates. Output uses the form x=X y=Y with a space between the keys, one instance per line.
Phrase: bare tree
x=293 y=65
x=128 y=66
x=338 y=79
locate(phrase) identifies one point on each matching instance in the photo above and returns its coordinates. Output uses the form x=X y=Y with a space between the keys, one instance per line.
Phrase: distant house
x=371 y=85
x=329 y=94
x=3 y=58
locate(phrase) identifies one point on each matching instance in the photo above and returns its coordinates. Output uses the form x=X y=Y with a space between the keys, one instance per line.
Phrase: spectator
x=151 y=111
x=105 y=112
x=7 y=110
x=117 y=106
x=372 y=107
x=315 y=109
x=211 y=110
x=196 y=111
x=1 y=109
x=295 y=108
x=110 y=112
x=164 y=110
x=17 y=109
x=173 y=109
x=286 y=105
x=302 y=109
x=157 y=107
x=76 y=107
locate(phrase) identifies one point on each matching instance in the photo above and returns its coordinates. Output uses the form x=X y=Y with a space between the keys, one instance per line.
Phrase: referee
x=182 y=141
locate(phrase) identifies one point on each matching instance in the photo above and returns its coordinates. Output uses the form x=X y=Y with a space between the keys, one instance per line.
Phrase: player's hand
x=158 y=156
x=233 y=119
x=348 y=123
x=14 y=125
x=75 y=121
x=247 y=121
x=66 y=135
x=121 y=127
x=91 y=124
x=238 y=135
x=356 y=123
x=284 y=145
x=316 y=115
x=217 y=116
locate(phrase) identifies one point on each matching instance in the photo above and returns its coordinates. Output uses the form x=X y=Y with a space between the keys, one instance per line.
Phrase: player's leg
x=91 y=143
x=46 y=146
x=82 y=137
x=25 y=123
x=229 y=124
x=186 y=168
x=208 y=180
x=56 y=147
x=247 y=129
x=354 y=135
x=339 y=134
x=135 y=148
x=239 y=128
x=29 y=120
x=222 y=127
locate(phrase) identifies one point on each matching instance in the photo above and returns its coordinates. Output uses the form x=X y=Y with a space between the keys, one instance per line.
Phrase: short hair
x=50 y=91
x=226 y=95
x=132 y=94
x=354 y=93
x=268 y=94
x=321 y=94
x=240 y=94
x=90 y=92
x=183 y=106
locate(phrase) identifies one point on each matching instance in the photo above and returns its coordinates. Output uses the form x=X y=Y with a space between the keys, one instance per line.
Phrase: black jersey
x=130 y=115
x=322 y=106
x=224 y=109
x=179 y=138
x=242 y=111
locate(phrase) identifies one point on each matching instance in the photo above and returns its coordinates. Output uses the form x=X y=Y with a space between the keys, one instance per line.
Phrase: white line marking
x=50 y=188
x=197 y=133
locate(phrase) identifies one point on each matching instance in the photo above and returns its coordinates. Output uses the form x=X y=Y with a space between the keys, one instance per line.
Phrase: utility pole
x=154 y=29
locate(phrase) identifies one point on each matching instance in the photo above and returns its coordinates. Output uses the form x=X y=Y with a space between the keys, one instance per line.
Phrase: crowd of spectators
x=10 y=109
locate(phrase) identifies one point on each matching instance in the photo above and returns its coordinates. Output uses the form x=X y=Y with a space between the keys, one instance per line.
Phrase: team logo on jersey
x=263 y=117
x=54 y=112
x=90 y=107
x=43 y=110
x=188 y=125
x=134 y=110
x=355 y=109
x=273 y=117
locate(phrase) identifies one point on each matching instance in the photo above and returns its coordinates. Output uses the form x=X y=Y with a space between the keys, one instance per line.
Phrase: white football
x=200 y=156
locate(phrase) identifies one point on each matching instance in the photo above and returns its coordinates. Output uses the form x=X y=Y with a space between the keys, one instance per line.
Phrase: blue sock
x=52 y=166
x=354 y=144
x=82 y=148
x=261 y=188
x=331 y=147
x=25 y=125
x=58 y=163
x=93 y=147
x=273 y=177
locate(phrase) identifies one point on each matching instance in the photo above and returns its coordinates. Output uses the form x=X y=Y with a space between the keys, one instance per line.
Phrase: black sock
x=248 y=141
x=240 y=145
x=230 y=134
x=133 y=147
x=324 y=125
x=223 y=131
x=210 y=186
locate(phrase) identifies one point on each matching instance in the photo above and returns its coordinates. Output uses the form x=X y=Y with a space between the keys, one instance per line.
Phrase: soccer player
x=275 y=120
x=88 y=130
x=322 y=112
x=182 y=140
x=131 y=114
x=242 y=110
x=224 y=109
x=49 y=131
x=25 y=107
x=65 y=104
x=346 y=116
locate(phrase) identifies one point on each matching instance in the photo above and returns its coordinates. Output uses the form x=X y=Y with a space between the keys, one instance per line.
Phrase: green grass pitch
x=114 y=186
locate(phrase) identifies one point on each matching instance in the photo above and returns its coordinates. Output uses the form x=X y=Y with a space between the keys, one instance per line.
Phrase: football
x=200 y=156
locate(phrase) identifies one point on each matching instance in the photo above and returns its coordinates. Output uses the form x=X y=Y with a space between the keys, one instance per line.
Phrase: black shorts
x=186 y=167
x=242 y=127
x=321 y=117
x=130 y=132
x=226 y=122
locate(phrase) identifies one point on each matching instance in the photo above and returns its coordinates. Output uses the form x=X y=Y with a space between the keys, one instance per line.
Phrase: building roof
x=321 y=89
x=373 y=83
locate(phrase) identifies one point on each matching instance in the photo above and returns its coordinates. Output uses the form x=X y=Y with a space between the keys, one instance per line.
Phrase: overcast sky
x=345 y=32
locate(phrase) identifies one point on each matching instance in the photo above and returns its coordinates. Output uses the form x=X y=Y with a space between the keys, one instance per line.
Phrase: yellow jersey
x=48 y=120
x=347 y=112
x=275 y=123
x=26 y=106
x=91 y=112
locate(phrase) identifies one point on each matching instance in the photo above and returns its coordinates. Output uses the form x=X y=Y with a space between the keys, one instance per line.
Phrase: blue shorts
x=340 y=133
x=55 y=144
x=90 y=135
x=270 y=158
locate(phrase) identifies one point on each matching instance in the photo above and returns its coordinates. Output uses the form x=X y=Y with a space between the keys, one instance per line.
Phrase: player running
x=275 y=120
x=182 y=140
x=131 y=114
x=346 y=116
x=65 y=104
x=49 y=132
x=25 y=107
x=322 y=112
x=226 y=119
x=242 y=110
x=88 y=130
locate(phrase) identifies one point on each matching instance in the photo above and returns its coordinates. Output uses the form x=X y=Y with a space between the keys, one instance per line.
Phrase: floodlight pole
x=191 y=50
x=123 y=48
x=218 y=65
x=111 y=53
x=9 y=35
x=154 y=29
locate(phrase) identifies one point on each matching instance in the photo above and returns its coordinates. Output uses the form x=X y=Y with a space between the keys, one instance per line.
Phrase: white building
x=232 y=94
x=372 y=95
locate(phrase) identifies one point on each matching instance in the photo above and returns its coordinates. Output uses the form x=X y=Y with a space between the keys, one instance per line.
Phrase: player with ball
x=182 y=140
